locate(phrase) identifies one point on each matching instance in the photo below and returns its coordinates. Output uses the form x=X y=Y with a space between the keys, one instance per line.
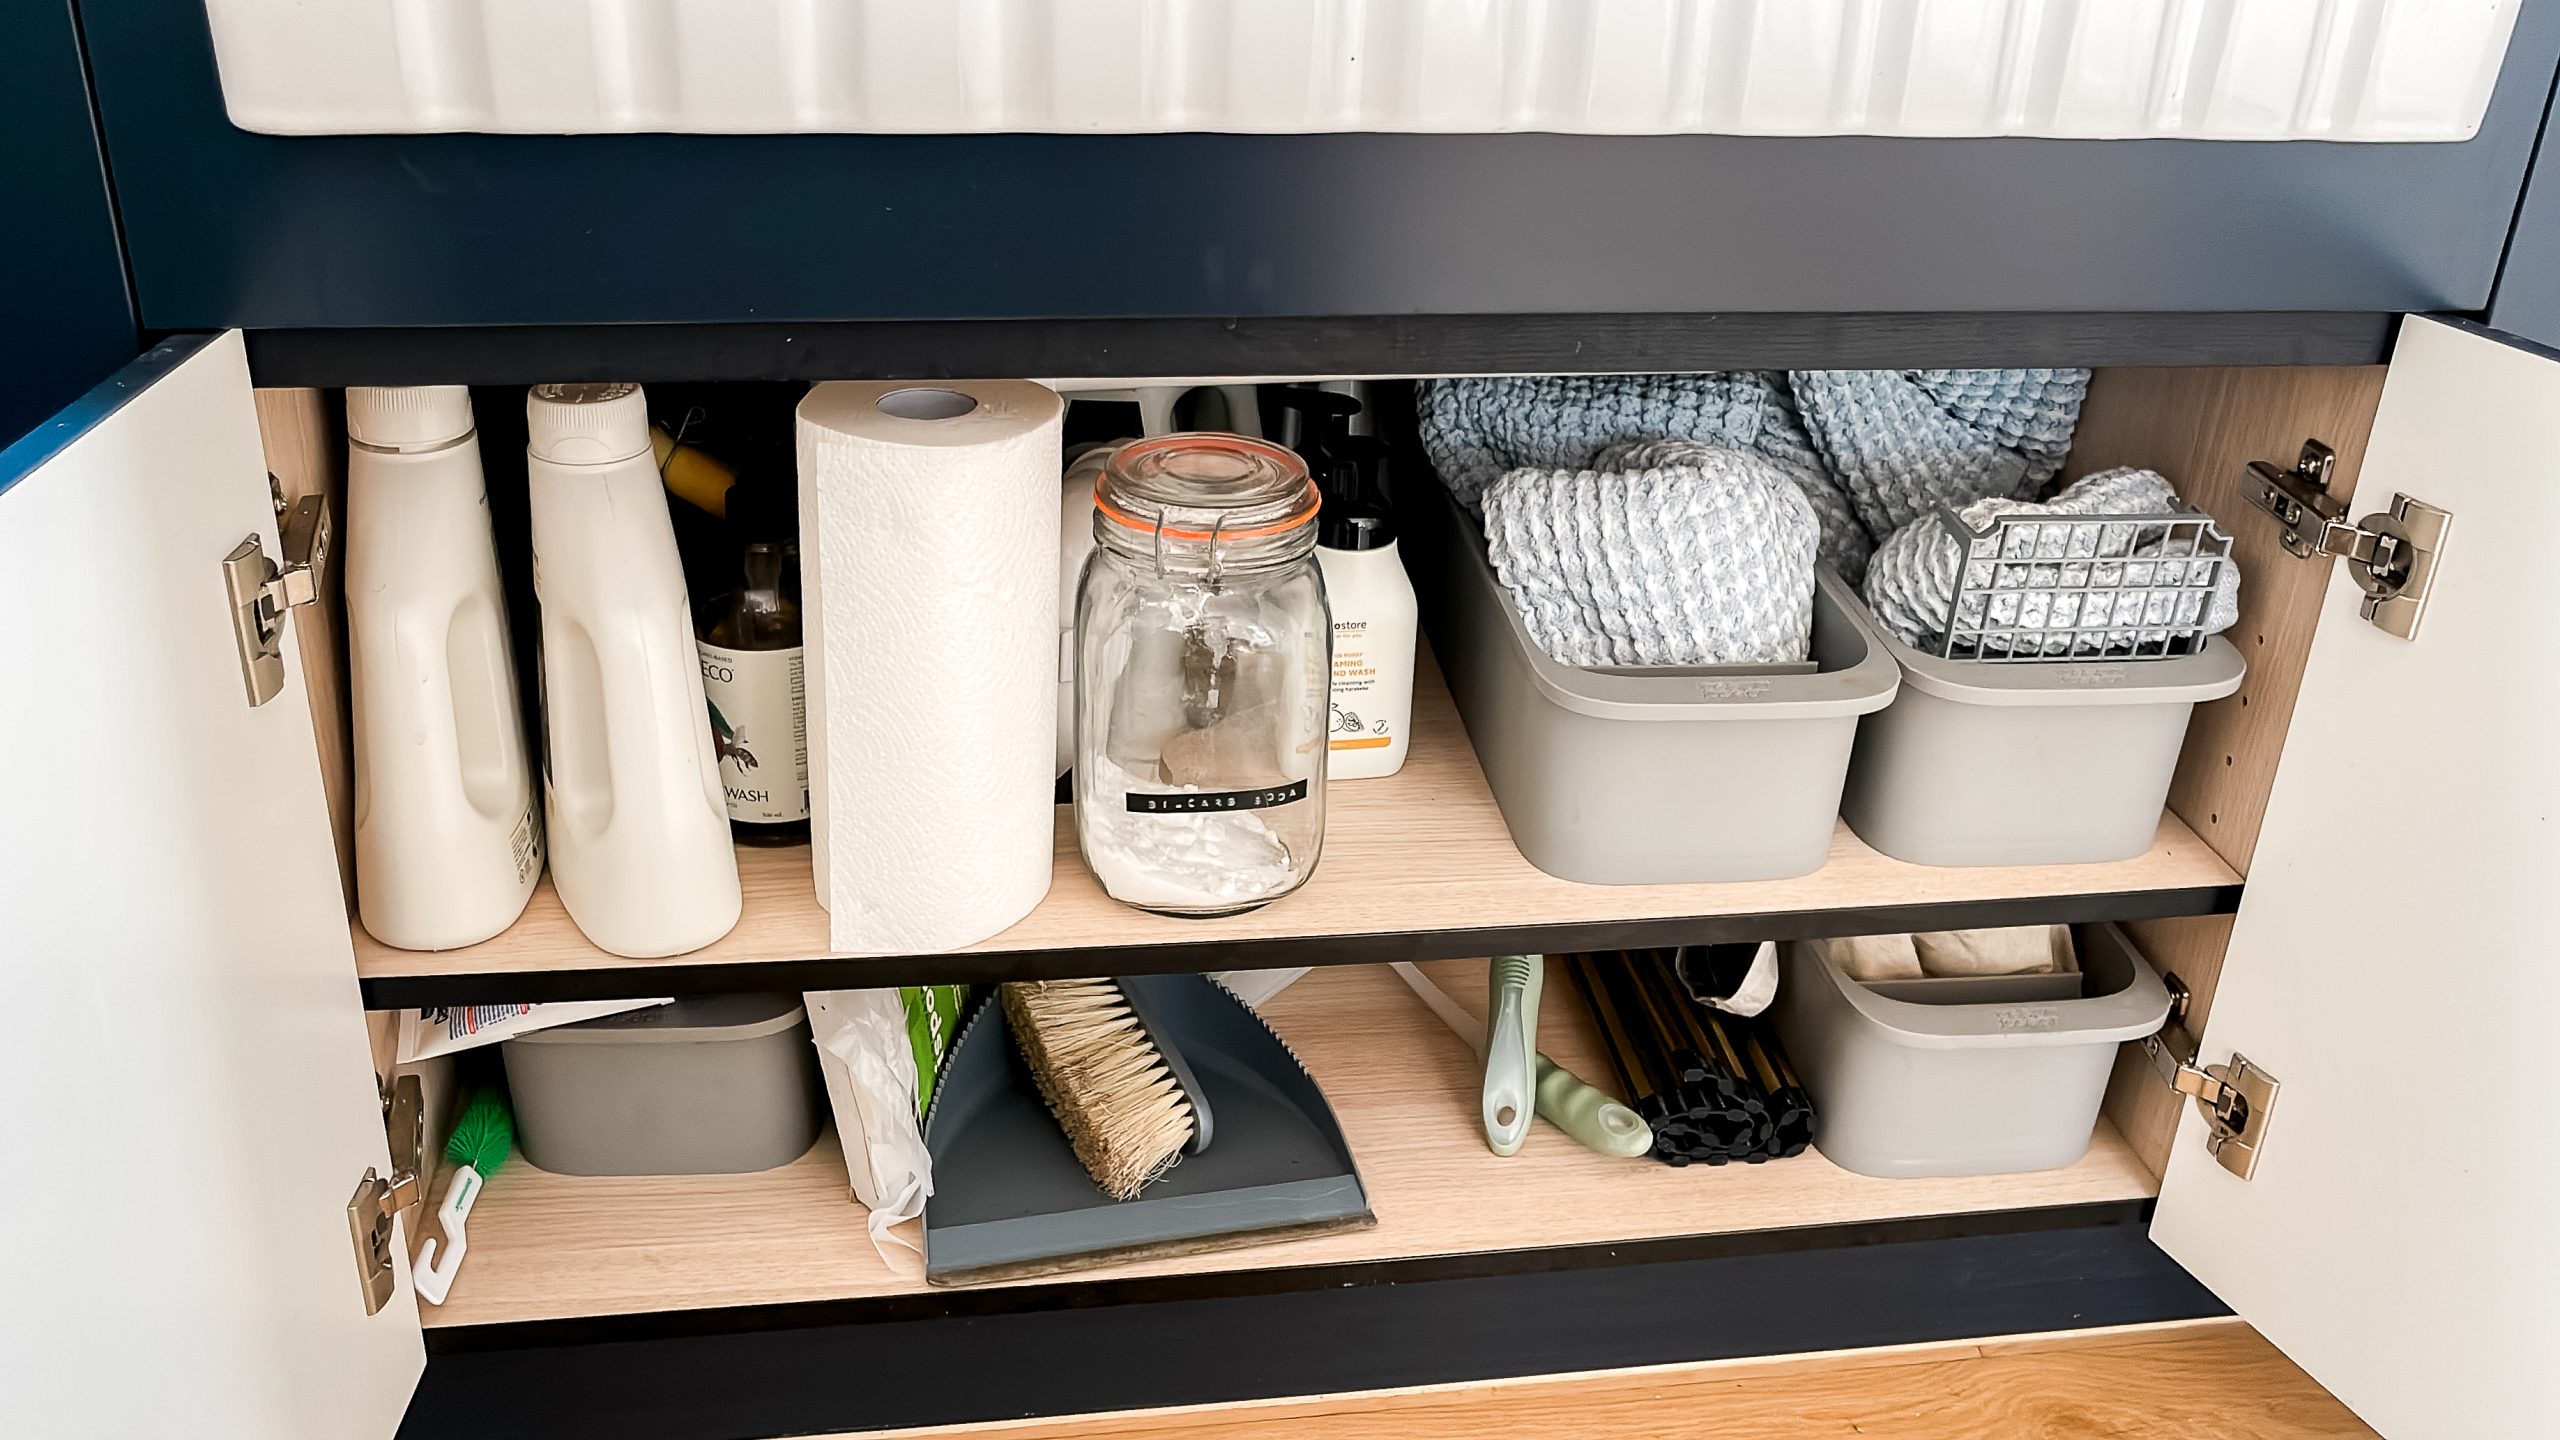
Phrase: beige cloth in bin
x=2020 y=950
x=2025 y=950
x=1877 y=957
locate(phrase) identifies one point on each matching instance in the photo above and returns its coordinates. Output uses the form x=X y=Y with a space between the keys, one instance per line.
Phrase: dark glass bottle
x=752 y=673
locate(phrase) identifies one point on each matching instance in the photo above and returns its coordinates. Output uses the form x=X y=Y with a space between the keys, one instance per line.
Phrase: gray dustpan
x=1010 y=1202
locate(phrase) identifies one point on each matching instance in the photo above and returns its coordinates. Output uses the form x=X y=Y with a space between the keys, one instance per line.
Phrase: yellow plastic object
x=691 y=475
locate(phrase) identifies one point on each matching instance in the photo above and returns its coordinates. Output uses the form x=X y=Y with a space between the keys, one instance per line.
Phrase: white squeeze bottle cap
x=407 y=417
x=586 y=424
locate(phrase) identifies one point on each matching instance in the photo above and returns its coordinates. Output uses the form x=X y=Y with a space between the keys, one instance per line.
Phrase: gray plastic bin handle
x=2129 y=1014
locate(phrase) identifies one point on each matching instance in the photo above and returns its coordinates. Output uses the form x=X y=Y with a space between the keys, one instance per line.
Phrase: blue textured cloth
x=1870 y=450
x=1664 y=552
x=1903 y=443
x=1476 y=430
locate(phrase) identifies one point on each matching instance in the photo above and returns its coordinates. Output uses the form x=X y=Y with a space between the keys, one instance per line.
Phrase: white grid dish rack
x=2083 y=587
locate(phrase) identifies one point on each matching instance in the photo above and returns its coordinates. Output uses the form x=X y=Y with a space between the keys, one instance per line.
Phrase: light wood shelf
x=550 y=1247
x=1416 y=866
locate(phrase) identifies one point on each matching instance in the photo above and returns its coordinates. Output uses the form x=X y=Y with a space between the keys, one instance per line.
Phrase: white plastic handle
x=1451 y=1015
x=1500 y=1041
x=436 y=1267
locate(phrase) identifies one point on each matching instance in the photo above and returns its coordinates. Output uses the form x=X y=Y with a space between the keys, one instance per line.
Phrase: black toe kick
x=1100 y=1348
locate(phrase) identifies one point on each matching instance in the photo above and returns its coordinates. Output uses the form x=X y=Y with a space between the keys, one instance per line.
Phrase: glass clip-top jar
x=1203 y=657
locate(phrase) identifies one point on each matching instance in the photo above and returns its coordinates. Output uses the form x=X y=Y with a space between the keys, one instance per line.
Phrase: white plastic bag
x=869 y=1059
x=1715 y=986
x=1256 y=987
x=445 y=1029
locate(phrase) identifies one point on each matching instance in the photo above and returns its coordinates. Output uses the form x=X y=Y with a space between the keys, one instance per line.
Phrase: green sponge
x=485 y=1134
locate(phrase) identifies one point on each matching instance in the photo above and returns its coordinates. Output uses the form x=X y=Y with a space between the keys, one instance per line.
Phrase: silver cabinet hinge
x=2237 y=1100
x=378 y=1202
x=2392 y=556
x=262 y=591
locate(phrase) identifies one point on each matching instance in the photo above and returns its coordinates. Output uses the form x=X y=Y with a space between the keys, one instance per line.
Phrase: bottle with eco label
x=640 y=847
x=1374 y=617
x=448 y=840
x=751 y=672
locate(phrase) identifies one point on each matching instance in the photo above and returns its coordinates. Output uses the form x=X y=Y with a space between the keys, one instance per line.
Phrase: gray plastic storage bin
x=2055 y=762
x=1904 y=1089
x=718 y=1085
x=1623 y=777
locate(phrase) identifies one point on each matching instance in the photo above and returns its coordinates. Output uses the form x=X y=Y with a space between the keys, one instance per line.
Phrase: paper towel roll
x=929 y=595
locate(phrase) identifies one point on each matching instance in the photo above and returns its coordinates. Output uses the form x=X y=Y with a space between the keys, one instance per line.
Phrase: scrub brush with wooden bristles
x=1118 y=1086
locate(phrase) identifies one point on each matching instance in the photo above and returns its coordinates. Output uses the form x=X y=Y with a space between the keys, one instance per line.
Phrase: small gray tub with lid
x=1971 y=1076
x=2052 y=762
x=1627 y=777
x=715 y=1085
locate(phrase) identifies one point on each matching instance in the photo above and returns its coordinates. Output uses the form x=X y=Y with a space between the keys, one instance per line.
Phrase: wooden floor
x=2216 y=1379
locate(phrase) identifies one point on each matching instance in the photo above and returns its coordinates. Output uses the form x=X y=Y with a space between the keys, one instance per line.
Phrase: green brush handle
x=1588 y=1114
x=1510 y=1048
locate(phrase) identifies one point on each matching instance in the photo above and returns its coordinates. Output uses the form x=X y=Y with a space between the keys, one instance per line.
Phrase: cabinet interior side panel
x=2144 y=1110
x=307 y=455
x=2201 y=427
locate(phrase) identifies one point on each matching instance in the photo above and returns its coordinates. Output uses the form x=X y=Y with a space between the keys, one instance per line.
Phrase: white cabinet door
x=191 y=1098
x=2396 y=961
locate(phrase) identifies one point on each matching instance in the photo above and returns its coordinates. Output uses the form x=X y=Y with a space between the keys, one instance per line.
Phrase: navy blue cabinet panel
x=2528 y=300
x=65 y=320
x=229 y=228
x=1087 y=1346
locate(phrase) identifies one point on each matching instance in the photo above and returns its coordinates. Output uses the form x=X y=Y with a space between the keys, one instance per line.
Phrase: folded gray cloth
x=1902 y=443
x=1660 y=554
x=1476 y=430
x=2129 y=574
x=1843 y=544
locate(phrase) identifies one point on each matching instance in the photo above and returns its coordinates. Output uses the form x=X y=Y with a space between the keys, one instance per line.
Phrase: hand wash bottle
x=1374 y=616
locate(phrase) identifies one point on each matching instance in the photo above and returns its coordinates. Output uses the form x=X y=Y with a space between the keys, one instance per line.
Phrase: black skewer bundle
x=1714 y=1087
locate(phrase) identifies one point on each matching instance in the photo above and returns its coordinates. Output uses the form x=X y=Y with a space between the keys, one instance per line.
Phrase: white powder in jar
x=1205 y=861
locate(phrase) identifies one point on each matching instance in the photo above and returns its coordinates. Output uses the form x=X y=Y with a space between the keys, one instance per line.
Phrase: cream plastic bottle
x=640 y=848
x=1075 y=543
x=1374 y=619
x=448 y=842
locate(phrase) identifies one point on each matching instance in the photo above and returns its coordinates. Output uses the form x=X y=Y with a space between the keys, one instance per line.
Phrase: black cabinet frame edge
x=1068 y=1292
x=984 y=967
x=1104 y=1346
x=1099 y=348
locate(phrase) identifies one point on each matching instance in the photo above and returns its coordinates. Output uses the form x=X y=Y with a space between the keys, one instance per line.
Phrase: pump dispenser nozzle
x=1313 y=422
x=1355 y=513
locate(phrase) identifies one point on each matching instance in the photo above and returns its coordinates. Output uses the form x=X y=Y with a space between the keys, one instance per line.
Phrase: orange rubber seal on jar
x=1241 y=444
